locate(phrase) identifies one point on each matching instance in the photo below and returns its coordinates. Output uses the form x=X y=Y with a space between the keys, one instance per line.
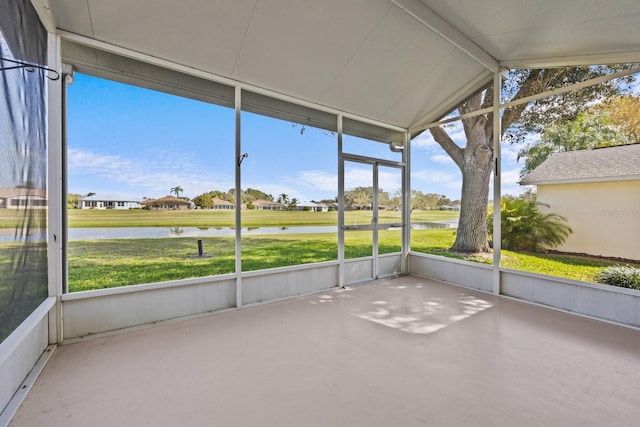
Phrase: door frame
x=375 y=225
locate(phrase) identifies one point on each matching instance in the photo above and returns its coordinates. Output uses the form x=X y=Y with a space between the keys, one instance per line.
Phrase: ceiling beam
x=43 y=9
x=435 y=23
x=574 y=61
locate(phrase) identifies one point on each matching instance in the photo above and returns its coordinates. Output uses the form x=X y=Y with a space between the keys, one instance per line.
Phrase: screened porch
x=367 y=319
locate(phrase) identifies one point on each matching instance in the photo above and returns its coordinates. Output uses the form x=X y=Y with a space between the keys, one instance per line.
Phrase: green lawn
x=123 y=262
x=250 y=218
x=23 y=283
x=18 y=218
x=581 y=268
x=100 y=264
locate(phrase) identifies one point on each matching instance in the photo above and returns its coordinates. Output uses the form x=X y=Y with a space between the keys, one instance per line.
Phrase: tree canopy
x=250 y=195
x=615 y=121
x=429 y=201
x=475 y=158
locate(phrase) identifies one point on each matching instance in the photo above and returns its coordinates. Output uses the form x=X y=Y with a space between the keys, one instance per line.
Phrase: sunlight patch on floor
x=423 y=317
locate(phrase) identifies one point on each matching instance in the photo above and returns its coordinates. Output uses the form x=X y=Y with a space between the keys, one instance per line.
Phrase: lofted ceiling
x=399 y=62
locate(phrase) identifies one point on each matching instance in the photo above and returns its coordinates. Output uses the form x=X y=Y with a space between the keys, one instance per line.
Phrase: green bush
x=624 y=276
x=526 y=228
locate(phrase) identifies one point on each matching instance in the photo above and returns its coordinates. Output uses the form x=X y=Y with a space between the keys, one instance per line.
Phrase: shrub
x=624 y=276
x=526 y=228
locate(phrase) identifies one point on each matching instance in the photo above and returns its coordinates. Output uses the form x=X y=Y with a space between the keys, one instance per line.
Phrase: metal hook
x=30 y=68
x=241 y=158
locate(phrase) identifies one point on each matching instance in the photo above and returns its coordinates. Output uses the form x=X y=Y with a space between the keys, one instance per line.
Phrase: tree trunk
x=476 y=164
x=472 y=225
x=475 y=160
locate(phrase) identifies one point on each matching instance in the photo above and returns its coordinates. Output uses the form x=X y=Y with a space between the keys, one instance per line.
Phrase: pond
x=161 y=232
x=22 y=236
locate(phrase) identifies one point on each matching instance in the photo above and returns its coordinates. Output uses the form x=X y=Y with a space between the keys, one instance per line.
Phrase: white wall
x=95 y=312
x=605 y=302
x=449 y=270
x=20 y=351
x=273 y=284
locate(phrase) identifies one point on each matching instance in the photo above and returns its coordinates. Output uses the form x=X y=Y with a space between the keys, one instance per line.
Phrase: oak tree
x=475 y=158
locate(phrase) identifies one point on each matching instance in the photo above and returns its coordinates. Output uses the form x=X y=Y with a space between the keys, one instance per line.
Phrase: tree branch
x=527 y=88
x=470 y=105
x=445 y=141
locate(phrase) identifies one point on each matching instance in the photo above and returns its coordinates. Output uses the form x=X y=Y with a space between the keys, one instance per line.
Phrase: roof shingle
x=620 y=162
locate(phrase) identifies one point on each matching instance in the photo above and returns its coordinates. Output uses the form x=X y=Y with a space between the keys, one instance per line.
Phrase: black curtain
x=23 y=164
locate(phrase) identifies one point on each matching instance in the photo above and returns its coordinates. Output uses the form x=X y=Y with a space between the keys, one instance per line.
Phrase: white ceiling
x=400 y=62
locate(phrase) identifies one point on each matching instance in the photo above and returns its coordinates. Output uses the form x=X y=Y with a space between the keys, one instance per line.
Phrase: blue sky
x=137 y=143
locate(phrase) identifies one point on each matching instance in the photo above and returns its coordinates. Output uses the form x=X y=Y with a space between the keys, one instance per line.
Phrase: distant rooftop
x=22 y=191
x=615 y=163
x=109 y=197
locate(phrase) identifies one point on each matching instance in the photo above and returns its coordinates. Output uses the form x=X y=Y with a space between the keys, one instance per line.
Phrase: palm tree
x=526 y=228
x=283 y=198
x=177 y=190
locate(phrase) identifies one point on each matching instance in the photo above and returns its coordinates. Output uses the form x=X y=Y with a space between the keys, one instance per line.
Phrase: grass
x=100 y=264
x=586 y=269
x=567 y=266
x=122 y=262
x=23 y=283
x=210 y=218
x=80 y=218
x=19 y=218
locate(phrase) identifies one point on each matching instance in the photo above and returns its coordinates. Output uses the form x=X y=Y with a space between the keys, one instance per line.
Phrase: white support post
x=56 y=195
x=406 y=202
x=238 y=220
x=375 y=222
x=497 y=177
x=340 y=206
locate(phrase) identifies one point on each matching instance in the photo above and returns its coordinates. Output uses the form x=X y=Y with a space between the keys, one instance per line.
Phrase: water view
x=162 y=232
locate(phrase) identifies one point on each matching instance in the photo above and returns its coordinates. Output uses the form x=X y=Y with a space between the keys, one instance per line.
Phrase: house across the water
x=107 y=201
x=167 y=202
x=21 y=198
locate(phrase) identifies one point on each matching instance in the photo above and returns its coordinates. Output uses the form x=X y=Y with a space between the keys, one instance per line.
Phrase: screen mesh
x=23 y=165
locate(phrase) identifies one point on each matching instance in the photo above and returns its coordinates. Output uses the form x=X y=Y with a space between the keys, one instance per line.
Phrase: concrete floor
x=400 y=352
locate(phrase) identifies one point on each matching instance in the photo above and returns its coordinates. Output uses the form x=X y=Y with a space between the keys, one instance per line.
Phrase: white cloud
x=509 y=152
x=444 y=159
x=456 y=132
x=439 y=182
x=151 y=176
x=357 y=177
x=509 y=183
x=317 y=179
x=424 y=141
x=390 y=181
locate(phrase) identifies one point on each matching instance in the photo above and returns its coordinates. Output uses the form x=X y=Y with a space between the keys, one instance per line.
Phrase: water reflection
x=162 y=232
x=430 y=225
x=23 y=234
